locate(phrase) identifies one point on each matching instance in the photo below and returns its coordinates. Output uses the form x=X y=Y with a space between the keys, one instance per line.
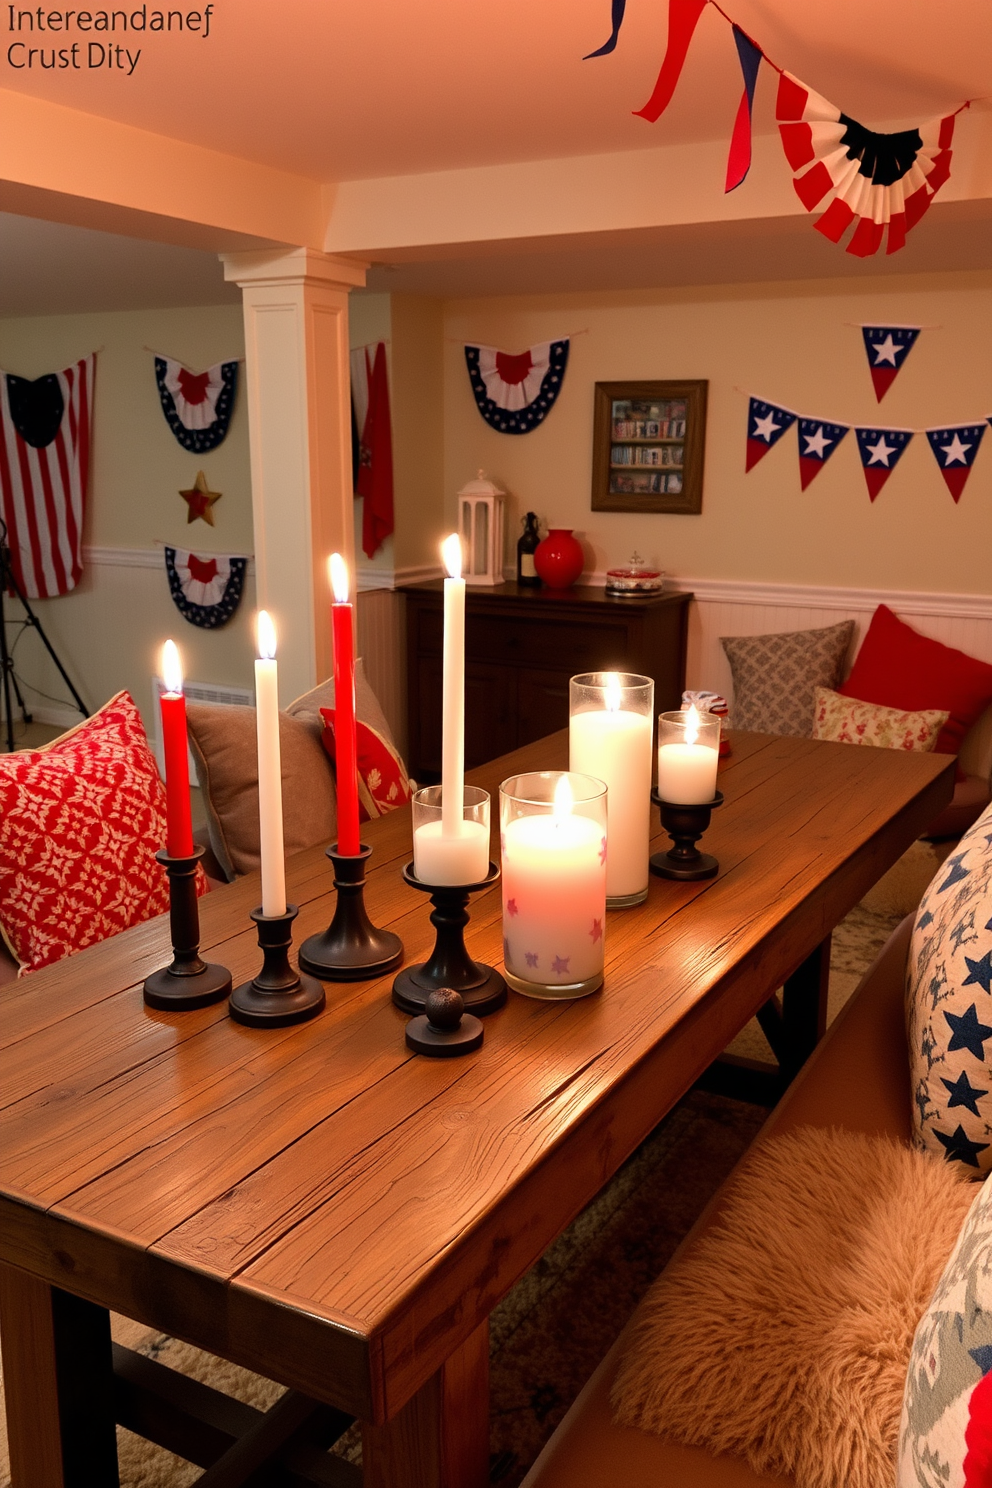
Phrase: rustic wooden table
x=320 y=1205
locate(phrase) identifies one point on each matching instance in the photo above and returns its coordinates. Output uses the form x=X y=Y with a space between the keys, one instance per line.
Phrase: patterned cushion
x=849 y=721
x=383 y=784
x=949 y=1005
x=774 y=676
x=947 y=1407
x=80 y=822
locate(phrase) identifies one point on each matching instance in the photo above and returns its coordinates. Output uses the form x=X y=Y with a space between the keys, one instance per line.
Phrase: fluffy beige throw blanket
x=784 y=1335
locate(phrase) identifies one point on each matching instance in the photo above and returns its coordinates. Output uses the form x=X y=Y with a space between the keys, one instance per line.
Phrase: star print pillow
x=80 y=823
x=949 y=1007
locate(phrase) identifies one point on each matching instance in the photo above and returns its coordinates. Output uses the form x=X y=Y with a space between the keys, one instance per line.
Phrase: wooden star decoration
x=200 y=499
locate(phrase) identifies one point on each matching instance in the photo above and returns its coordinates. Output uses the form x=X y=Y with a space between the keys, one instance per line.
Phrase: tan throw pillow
x=846 y=720
x=774 y=676
x=225 y=749
x=784 y=1335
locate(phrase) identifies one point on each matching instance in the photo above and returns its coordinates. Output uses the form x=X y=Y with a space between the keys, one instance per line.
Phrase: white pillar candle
x=443 y=857
x=687 y=768
x=453 y=692
x=269 y=771
x=554 y=895
x=614 y=745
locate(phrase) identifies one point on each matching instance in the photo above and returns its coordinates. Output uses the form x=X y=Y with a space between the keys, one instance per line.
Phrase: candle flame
x=337 y=571
x=172 y=668
x=563 y=800
x=266 y=636
x=451 y=555
x=613 y=693
x=692 y=724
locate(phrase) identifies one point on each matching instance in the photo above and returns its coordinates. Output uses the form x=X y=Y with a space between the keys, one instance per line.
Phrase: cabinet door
x=490 y=712
x=542 y=703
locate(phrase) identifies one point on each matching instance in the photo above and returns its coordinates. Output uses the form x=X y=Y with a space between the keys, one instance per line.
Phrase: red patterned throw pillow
x=382 y=779
x=80 y=822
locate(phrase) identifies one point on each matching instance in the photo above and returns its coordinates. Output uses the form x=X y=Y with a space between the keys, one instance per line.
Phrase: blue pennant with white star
x=880 y=451
x=818 y=439
x=955 y=449
x=887 y=348
x=766 y=423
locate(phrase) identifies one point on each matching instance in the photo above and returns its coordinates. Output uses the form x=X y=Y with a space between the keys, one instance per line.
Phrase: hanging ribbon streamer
x=683 y=17
x=619 y=6
x=739 y=158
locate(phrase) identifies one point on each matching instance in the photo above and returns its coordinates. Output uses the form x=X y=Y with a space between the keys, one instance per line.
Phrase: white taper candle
x=453 y=690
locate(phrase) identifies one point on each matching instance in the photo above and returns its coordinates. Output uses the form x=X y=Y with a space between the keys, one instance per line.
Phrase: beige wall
x=108 y=631
x=790 y=343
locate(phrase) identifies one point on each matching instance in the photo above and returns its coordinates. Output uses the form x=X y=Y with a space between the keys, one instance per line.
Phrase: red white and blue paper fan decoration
x=516 y=392
x=206 y=589
x=197 y=405
x=954 y=449
x=887 y=348
x=818 y=438
x=766 y=423
x=880 y=451
x=873 y=182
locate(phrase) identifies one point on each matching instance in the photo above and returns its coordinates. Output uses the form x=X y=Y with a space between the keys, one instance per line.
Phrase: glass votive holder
x=688 y=754
x=553 y=838
x=610 y=727
x=450 y=848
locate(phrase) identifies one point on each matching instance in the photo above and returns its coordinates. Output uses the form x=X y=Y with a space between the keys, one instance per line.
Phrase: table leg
x=804 y=1009
x=440 y=1439
x=58 y=1378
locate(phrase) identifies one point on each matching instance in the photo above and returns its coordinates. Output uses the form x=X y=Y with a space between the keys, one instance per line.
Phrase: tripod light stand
x=9 y=582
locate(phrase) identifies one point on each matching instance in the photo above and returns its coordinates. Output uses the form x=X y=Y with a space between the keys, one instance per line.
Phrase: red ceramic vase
x=559 y=559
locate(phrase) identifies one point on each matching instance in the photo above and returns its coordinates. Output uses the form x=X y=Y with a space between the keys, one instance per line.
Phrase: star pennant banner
x=880 y=451
x=766 y=423
x=955 y=449
x=817 y=441
x=887 y=348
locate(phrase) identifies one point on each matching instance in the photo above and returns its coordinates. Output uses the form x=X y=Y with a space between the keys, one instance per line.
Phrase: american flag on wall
x=44 y=463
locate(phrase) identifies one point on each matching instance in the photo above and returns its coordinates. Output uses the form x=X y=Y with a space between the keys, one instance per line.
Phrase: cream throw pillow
x=846 y=720
x=784 y=1334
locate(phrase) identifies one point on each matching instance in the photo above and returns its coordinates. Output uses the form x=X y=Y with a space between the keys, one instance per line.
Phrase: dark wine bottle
x=527 y=546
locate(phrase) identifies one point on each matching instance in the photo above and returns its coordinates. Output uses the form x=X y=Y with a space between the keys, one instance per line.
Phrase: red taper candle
x=179 y=821
x=345 y=736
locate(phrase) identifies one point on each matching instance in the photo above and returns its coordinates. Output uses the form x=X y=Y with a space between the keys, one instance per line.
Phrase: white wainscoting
x=726 y=608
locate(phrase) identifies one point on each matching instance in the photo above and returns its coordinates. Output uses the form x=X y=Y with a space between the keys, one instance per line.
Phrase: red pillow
x=900 y=668
x=80 y=822
x=382 y=777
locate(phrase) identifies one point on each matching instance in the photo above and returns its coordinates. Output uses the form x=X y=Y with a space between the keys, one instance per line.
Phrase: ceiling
x=342 y=91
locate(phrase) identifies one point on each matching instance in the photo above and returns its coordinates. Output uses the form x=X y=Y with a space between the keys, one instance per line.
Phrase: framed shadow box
x=648 y=441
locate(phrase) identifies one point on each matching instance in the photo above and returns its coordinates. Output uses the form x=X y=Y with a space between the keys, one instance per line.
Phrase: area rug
x=552 y=1329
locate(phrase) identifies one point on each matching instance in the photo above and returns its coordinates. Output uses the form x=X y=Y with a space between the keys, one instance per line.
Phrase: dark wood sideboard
x=521 y=647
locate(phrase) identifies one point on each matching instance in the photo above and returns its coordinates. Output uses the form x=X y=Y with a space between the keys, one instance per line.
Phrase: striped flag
x=44 y=463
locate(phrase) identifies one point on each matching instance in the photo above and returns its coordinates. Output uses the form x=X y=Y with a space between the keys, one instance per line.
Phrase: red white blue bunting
x=878 y=185
x=818 y=438
x=516 y=392
x=880 y=451
x=766 y=423
x=954 y=449
x=887 y=348
x=197 y=405
x=206 y=590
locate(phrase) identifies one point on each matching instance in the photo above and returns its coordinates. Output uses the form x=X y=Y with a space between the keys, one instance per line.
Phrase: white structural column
x=299 y=415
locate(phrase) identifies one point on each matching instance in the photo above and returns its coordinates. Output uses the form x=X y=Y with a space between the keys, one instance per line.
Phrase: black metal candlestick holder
x=685 y=825
x=188 y=982
x=351 y=948
x=278 y=995
x=482 y=988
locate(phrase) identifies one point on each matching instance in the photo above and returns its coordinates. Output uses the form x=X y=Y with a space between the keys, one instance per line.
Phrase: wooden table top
x=321 y=1205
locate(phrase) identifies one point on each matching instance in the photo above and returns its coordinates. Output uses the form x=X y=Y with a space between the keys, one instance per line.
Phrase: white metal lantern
x=480 y=522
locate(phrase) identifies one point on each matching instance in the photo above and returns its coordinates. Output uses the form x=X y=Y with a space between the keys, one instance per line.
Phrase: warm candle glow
x=692 y=724
x=451 y=556
x=613 y=693
x=338 y=572
x=266 y=632
x=563 y=800
x=172 y=669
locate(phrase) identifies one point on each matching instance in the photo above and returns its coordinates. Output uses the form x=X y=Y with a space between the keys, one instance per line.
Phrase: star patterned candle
x=553 y=841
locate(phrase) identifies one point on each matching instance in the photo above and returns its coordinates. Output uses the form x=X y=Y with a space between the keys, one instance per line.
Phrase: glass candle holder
x=610 y=726
x=445 y=857
x=688 y=753
x=553 y=837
